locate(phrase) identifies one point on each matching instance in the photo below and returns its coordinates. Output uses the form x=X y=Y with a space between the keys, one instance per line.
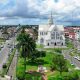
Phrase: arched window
x=41 y=40
x=55 y=43
x=48 y=44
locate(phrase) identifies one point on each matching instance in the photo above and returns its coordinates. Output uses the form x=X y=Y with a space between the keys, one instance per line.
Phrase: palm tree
x=26 y=44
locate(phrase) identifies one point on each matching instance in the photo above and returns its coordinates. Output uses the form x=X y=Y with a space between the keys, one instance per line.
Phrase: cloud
x=62 y=9
x=3 y=1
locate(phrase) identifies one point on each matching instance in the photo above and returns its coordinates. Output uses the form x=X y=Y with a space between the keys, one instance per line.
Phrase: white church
x=51 y=35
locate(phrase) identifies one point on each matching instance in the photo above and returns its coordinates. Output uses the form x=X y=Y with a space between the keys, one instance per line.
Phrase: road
x=12 y=69
x=70 y=58
x=76 y=44
x=5 y=51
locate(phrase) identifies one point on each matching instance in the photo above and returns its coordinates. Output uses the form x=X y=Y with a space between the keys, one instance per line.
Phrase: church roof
x=50 y=28
x=44 y=27
x=56 y=27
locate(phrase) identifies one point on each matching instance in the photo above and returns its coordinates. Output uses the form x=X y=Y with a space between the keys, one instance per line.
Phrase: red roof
x=71 y=33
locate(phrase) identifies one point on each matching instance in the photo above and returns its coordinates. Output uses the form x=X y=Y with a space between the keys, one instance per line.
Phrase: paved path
x=3 y=78
x=12 y=68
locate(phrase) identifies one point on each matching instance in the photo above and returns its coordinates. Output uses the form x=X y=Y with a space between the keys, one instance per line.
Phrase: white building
x=77 y=35
x=51 y=35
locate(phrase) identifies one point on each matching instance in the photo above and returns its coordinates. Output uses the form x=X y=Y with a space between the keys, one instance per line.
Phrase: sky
x=65 y=12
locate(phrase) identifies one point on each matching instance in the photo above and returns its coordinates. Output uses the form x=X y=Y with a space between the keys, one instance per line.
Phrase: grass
x=69 y=65
x=34 y=66
x=46 y=62
x=33 y=76
x=39 y=46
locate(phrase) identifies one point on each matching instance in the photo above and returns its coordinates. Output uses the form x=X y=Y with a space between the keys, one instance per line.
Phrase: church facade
x=51 y=35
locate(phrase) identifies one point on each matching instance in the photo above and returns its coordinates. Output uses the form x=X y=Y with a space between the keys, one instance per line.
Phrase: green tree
x=59 y=63
x=26 y=44
x=37 y=54
x=73 y=75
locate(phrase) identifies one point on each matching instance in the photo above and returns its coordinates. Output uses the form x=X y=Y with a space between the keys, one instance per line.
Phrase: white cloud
x=29 y=8
x=2 y=18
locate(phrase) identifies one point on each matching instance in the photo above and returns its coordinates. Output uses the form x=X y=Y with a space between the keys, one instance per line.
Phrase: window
x=53 y=35
x=46 y=33
x=41 y=40
x=57 y=35
x=40 y=33
x=48 y=44
x=55 y=43
x=52 y=43
x=61 y=38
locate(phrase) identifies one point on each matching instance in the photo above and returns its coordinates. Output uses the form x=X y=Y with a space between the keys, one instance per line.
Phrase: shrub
x=71 y=76
x=4 y=65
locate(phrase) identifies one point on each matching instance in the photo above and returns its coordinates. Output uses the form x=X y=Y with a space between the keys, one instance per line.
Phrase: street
x=70 y=58
x=12 y=68
x=5 y=51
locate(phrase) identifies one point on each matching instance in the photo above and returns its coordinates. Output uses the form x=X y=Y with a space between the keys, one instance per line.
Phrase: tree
x=37 y=54
x=59 y=63
x=73 y=75
x=26 y=44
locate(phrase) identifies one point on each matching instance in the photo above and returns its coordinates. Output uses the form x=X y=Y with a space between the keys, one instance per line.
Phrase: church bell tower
x=50 y=22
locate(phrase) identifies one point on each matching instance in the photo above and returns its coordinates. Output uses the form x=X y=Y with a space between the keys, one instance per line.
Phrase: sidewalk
x=3 y=78
x=12 y=69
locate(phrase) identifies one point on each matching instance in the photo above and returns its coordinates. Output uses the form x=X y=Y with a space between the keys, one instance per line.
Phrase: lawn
x=39 y=46
x=46 y=62
x=34 y=66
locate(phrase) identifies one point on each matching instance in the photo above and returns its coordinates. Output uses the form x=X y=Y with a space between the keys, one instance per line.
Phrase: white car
x=2 y=46
x=75 y=57
x=78 y=58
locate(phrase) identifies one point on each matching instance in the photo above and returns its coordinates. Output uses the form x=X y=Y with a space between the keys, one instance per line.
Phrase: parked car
x=2 y=46
x=75 y=57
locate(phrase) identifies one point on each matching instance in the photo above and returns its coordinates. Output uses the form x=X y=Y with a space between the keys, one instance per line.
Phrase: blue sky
x=65 y=12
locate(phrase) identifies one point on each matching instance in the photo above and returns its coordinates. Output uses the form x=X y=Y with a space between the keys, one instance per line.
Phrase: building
x=72 y=32
x=51 y=35
x=31 y=32
x=11 y=31
x=77 y=35
x=72 y=35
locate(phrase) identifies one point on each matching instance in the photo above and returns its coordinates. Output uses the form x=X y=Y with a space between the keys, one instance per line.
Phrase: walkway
x=12 y=69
